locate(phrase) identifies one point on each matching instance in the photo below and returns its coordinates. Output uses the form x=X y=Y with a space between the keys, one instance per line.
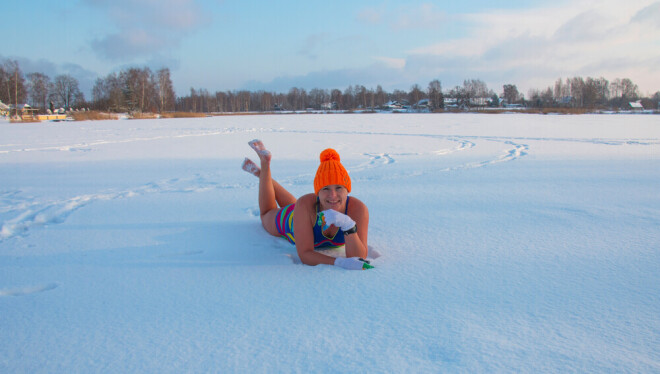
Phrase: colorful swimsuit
x=284 y=224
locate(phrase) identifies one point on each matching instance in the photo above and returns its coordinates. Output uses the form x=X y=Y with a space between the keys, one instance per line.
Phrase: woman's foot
x=251 y=167
x=260 y=148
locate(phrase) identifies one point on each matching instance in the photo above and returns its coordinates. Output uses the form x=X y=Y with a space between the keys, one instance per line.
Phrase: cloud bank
x=145 y=27
x=530 y=47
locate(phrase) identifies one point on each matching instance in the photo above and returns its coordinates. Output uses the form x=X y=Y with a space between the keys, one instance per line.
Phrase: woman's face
x=333 y=197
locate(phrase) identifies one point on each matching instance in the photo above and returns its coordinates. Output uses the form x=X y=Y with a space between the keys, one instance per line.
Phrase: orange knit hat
x=331 y=171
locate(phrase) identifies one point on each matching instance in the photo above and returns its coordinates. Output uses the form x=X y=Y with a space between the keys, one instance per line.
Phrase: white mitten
x=332 y=217
x=352 y=263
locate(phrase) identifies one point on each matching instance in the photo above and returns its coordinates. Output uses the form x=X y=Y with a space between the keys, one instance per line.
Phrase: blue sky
x=229 y=45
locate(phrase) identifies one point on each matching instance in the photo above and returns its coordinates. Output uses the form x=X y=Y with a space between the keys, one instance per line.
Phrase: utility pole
x=16 y=91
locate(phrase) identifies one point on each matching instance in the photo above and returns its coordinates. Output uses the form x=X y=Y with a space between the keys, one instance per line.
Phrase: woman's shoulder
x=356 y=204
x=306 y=200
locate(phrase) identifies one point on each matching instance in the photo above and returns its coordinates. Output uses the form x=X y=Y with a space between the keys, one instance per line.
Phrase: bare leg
x=282 y=196
x=267 y=201
x=270 y=192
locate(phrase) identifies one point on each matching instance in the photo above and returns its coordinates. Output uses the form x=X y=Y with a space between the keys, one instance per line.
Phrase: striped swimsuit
x=284 y=224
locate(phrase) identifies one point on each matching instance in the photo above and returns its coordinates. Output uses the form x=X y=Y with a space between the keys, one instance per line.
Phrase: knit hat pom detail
x=329 y=154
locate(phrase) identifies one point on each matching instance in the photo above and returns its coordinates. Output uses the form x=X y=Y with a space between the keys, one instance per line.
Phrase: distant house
x=26 y=111
x=479 y=101
x=450 y=102
x=393 y=105
x=329 y=106
x=494 y=101
x=636 y=106
x=4 y=109
x=423 y=104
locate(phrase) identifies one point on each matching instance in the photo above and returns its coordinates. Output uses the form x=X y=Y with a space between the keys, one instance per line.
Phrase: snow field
x=506 y=243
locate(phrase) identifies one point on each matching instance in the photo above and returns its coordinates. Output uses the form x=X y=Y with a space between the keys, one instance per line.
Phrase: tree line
x=297 y=99
x=142 y=90
x=576 y=92
x=135 y=90
x=131 y=90
x=591 y=93
x=37 y=88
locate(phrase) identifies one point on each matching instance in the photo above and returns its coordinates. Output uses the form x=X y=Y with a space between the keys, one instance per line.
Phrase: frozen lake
x=502 y=243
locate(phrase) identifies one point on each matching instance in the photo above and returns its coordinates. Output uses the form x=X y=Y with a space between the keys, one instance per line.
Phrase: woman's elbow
x=305 y=259
x=307 y=262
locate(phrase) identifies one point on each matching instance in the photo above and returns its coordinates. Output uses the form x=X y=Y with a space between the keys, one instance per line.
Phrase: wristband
x=350 y=231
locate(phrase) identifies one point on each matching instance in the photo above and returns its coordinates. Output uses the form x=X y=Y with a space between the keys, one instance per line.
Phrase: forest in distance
x=140 y=90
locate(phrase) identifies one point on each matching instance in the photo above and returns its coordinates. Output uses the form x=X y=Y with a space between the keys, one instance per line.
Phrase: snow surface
x=503 y=243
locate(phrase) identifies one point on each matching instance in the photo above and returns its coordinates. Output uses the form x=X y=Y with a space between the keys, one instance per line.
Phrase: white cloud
x=394 y=63
x=580 y=38
x=145 y=26
x=649 y=15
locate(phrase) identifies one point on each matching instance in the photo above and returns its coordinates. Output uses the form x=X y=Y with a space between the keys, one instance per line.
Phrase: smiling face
x=333 y=197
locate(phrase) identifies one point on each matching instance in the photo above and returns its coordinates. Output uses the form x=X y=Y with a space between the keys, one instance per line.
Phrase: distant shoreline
x=98 y=116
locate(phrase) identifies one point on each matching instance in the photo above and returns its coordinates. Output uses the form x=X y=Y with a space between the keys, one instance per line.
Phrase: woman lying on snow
x=327 y=218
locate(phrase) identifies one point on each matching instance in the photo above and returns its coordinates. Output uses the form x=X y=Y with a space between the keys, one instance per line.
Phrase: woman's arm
x=303 y=230
x=356 y=244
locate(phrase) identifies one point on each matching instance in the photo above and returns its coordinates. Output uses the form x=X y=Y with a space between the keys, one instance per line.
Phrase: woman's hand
x=352 y=263
x=332 y=217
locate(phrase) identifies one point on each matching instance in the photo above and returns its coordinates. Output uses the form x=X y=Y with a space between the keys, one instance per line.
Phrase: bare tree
x=337 y=97
x=435 y=94
x=138 y=88
x=293 y=98
x=511 y=94
x=267 y=101
x=602 y=90
x=243 y=98
x=65 y=91
x=318 y=97
x=349 y=98
x=629 y=90
x=597 y=92
x=577 y=91
x=38 y=85
x=380 y=97
x=166 y=95
x=416 y=94
x=361 y=96
x=115 y=92
x=476 y=88
x=107 y=93
x=615 y=88
x=12 y=83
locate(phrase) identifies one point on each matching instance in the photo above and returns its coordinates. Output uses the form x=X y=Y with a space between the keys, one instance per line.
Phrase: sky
x=223 y=45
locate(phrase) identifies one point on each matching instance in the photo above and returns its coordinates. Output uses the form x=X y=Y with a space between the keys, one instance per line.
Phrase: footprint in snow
x=22 y=291
x=254 y=212
x=179 y=254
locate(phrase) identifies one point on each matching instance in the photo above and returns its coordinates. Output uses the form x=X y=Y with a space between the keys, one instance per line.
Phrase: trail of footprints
x=27 y=213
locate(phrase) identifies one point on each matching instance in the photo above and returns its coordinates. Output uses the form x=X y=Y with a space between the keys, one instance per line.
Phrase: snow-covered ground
x=501 y=243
